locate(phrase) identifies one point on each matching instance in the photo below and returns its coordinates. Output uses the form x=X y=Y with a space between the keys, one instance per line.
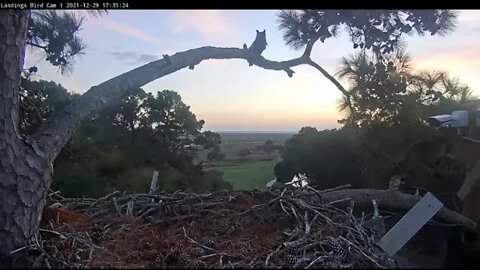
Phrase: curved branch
x=328 y=76
x=310 y=43
x=53 y=134
x=334 y=81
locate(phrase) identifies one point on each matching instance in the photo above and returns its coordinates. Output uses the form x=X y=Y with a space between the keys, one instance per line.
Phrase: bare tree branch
x=334 y=81
x=310 y=44
x=53 y=134
x=390 y=199
x=36 y=45
x=328 y=76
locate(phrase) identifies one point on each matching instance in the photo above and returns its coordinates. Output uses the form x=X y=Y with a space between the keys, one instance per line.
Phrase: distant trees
x=211 y=140
x=215 y=155
x=243 y=153
x=268 y=147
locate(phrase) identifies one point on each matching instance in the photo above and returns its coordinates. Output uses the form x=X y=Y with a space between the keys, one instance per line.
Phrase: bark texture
x=24 y=172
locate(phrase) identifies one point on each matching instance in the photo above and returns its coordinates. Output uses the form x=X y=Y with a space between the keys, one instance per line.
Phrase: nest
x=287 y=227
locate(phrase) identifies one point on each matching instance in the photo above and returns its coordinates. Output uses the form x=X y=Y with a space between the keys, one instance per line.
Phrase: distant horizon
x=255 y=131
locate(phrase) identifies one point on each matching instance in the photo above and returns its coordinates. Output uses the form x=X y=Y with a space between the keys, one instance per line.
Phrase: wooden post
x=153 y=184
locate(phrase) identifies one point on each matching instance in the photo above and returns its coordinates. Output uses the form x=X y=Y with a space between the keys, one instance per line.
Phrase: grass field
x=249 y=175
x=257 y=170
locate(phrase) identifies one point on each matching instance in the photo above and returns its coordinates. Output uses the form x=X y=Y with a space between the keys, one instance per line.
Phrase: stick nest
x=281 y=227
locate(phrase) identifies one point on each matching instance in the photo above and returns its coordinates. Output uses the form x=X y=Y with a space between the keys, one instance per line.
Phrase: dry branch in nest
x=278 y=227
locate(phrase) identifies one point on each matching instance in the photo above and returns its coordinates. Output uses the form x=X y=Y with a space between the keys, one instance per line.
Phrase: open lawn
x=257 y=170
x=249 y=175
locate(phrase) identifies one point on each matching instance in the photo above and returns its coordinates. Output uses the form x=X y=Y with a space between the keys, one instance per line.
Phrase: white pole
x=153 y=184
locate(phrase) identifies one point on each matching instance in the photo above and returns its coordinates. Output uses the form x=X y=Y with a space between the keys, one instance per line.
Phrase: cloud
x=126 y=30
x=134 y=58
x=464 y=55
x=459 y=61
x=211 y=24
x=147 y=58
x=440 y=50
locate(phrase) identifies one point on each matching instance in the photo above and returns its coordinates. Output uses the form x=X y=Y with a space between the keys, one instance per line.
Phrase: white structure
x=296 y=181
x=457 y=119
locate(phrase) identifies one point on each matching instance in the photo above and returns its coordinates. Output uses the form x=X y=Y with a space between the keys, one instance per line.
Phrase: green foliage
x=209 y=139
x=326 y=157
x=386 y=90
x=215 y=154
x=390 y=107
x=285 y=170
x=38 y=101
x=268 y=147
x=119 y=147
x=243 y=153
x=56 y=34
x=381 y=147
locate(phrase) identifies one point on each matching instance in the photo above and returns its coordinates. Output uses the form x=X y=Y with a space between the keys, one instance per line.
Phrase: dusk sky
x=228 y=94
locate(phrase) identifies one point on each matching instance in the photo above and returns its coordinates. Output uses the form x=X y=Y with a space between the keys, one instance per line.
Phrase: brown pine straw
x=278 y=227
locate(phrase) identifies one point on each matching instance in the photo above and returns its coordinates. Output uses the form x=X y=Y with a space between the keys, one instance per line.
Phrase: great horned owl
x=258 y=45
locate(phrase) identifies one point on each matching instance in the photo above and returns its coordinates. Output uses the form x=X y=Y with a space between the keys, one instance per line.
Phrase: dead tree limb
x=53 y=134
x=390 y=199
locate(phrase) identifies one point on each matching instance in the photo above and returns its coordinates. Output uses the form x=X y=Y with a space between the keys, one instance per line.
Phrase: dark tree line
x=119 y=147
x=388 y=110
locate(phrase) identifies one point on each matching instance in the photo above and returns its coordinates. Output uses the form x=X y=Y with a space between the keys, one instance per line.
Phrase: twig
x=340 y=200
x=270 y=255
x=335 y=188
x=19 y=249
x=144 y=214
x=361 y=251
x=116 y=206
x=105 y=198
x=195 y=242
x=314 y=261
x=54 y=232
x=300 y=261
x=210 y=255
x=47 y=263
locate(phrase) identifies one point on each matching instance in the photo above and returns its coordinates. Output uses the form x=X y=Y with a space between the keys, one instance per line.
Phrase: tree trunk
x=24 y=173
